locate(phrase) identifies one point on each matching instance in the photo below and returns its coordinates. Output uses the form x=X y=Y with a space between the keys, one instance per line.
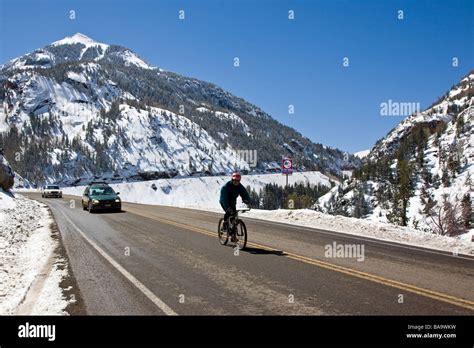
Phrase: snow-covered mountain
x=421 y=174
x=447 y=108
x=362 y=154
x=75 y=48
x=79 y=108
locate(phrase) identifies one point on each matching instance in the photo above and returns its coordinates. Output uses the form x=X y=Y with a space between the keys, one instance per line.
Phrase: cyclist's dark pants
x=227 y=213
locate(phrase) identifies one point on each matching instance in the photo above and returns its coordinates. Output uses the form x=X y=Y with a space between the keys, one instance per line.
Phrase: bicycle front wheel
x=241 y=235
x=221 y=233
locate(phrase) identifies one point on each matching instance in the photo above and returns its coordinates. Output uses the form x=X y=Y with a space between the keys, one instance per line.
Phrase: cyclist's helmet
x=236 y=176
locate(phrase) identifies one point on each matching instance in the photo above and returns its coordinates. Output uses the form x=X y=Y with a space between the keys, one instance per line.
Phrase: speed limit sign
x=287 y=166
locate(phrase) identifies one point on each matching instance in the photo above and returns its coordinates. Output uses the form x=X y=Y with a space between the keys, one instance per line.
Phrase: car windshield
x=52 y=187
x=102 y=191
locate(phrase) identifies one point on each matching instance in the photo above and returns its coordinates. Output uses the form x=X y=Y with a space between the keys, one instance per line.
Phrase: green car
x=100 y=196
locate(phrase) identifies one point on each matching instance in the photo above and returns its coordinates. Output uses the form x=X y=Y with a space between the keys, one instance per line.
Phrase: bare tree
x=444 y=220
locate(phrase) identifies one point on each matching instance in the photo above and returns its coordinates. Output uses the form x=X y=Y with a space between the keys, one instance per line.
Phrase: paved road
x=155 y=260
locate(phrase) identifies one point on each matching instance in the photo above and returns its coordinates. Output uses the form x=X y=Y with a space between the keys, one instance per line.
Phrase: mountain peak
x=362 y=154
x=75 y=48
x=77 y=38
x=80 y=36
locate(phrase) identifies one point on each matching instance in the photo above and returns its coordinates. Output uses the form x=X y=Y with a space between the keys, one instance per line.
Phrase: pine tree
x=254 y=197
x=436 y=180
x=403 y=193
x=427 y=200
x=453 y=164
x=420 y=157
x=466 y=210
x=459 y=126
x=445 y=178
x=361 y=208
x=426 y=175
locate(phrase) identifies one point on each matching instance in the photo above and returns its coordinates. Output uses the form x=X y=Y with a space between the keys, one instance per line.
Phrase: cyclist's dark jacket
x=229 y=194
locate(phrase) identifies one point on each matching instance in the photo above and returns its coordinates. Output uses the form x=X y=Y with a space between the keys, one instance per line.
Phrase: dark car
x=100 y=196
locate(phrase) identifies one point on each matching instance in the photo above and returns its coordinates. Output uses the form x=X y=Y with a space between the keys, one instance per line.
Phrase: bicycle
x=235 y=227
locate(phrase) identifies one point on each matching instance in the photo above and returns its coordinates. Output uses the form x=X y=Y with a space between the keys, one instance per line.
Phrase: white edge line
x=147 y=292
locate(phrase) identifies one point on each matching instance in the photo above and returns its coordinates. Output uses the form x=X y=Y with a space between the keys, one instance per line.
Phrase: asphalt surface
x=156 y=260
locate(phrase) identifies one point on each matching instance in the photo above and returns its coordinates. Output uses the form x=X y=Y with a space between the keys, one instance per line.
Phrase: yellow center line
x=349 y=271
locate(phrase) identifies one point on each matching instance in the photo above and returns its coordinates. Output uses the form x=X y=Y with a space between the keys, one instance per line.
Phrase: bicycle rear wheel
x=222 y=234
x=241 y=235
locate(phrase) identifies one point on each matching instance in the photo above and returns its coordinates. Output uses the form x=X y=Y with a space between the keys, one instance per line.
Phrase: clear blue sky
x=283 y=62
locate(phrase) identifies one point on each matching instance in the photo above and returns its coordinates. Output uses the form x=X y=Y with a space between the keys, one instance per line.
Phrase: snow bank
x=201 y=192
x=372 y=229
x=6 y=202
x=26 y=247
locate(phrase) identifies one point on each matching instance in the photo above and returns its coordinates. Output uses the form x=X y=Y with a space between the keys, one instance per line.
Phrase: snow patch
x=75 y=39
x=362 y=154
x=26 y=246
x=76 y=77
x=202 y=109
x=132 y=59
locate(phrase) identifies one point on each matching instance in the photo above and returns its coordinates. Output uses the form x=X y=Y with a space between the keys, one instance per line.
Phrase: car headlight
x=117 y=200
x=95 y=201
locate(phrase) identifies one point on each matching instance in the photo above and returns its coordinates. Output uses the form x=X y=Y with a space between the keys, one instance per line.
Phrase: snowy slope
x=155 y=139
x=454 y=101
x=447 y=126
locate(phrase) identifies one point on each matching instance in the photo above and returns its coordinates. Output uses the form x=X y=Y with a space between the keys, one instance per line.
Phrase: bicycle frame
x=235 y=217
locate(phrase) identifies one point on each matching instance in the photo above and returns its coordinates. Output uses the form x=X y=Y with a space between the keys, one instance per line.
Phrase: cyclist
x=228 y=198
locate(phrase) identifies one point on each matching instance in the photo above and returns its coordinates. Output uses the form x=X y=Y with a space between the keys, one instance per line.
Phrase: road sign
x=287 y=166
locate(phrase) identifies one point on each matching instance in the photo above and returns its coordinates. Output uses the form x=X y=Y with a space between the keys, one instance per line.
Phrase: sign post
x=287 y=168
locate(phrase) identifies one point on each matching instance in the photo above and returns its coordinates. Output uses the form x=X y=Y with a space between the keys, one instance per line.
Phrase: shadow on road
x=259 y=251
x=103 y=212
